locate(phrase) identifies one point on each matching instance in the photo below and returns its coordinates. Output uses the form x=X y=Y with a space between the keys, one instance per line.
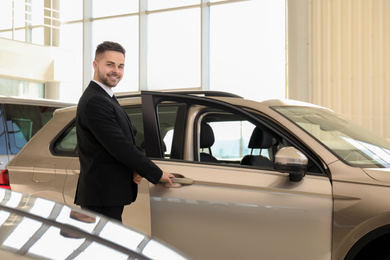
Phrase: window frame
x=60 y=136
x=151 y=100
x=199 y=119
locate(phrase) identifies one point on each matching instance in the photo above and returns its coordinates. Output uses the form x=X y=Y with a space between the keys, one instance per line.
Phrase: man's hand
x=137 y=178
x=167 y=176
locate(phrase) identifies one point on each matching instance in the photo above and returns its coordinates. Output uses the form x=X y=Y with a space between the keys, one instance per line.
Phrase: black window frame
x=60 y=136
x=154 y=147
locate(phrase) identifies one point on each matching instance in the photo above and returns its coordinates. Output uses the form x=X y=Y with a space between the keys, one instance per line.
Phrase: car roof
x=287 y=102
x=205 y=93
x=31 y=226
x=130 y=98
x=34 y=101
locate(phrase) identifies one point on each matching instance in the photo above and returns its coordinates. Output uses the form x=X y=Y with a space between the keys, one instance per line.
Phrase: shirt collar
x=107 y=89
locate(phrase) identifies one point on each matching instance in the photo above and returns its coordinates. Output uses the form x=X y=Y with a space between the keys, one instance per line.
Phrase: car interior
x=223 y=138
x=259 y=140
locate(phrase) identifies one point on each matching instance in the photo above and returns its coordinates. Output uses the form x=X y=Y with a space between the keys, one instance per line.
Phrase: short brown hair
x=109 y=46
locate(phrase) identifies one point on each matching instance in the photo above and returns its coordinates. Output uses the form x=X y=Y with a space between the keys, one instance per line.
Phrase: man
x=111 y=165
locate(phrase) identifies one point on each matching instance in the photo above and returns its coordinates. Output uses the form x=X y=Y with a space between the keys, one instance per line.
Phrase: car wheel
x=377 y=249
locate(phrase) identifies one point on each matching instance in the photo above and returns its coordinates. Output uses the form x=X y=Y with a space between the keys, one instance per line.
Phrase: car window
x=135 y=114
x=350 y=142
x=231 y=139
x=3 y=146
x=226 y=140
x=66 y=143
x=168 y=118
x=23 y=122
x=231 y=135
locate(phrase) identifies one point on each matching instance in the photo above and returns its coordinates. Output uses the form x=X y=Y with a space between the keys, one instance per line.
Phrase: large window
x=6 y=20
x=34 y=21
x=72 y=40
x=21 y=88
x=174 y=49
x=103 y=31
x=164 y=4
x=230 y=45
x=23 y=122
x=247 y=44
x=101 y=8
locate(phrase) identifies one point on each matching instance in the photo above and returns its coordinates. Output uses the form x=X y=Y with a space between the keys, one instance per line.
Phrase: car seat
x=206 y=141
x=259 y=140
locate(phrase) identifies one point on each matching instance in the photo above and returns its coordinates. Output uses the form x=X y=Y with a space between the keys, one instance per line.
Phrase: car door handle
x=178 y=181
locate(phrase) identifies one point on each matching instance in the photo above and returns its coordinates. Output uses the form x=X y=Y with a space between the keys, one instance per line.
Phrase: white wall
x=351 y=59
x=36 y=63
x=347 y=45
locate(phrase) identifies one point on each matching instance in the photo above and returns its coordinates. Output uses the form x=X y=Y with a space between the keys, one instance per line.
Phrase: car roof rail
x=206 y=93
x=120 y=95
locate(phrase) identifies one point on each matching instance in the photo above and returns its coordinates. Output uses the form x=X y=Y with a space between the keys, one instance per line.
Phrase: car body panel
x=137 y=215
x=226 y=210
x=47 y=174
x=20 y=118
x=381 y=175
x=359 y=207
x=243 y=206
x=36 y=228
x=55 y=177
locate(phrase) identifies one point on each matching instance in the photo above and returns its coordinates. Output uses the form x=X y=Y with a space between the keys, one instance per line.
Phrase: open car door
x=222 y=209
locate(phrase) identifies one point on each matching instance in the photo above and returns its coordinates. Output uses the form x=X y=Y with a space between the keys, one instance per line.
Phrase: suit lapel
x=116 y=105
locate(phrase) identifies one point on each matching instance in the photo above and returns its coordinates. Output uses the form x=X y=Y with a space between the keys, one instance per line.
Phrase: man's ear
x=95 y=64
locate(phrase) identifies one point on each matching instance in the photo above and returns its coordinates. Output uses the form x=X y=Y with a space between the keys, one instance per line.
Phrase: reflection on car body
x=20 y=119
x=251 y=177
x=36 y=228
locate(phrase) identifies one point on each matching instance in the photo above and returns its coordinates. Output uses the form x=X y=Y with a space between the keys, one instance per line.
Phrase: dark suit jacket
x=107 y=152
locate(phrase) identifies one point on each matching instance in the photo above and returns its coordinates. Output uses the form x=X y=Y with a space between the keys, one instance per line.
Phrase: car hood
x=30 y=226
x=379 y=174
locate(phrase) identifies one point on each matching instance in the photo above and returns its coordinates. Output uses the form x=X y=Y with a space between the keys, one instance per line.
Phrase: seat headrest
x=206 y=136
x=260 y=139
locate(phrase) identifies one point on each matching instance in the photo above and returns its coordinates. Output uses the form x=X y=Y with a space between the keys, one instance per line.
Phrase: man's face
x=109 y=68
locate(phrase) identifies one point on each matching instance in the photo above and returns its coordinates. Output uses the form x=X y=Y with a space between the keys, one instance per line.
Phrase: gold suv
x=254 y=180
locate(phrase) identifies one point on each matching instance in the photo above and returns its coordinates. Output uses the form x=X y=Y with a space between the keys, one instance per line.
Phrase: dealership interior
x=331 y=53
x=284 y=174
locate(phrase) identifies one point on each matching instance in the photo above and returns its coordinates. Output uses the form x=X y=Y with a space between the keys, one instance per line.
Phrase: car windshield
x=355 y=145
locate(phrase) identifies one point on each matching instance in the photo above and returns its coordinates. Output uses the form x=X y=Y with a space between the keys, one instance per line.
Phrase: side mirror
x=290 y=160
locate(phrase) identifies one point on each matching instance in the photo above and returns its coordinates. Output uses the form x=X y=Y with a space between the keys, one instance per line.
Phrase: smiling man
x=111 y=165
x=109 y=66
